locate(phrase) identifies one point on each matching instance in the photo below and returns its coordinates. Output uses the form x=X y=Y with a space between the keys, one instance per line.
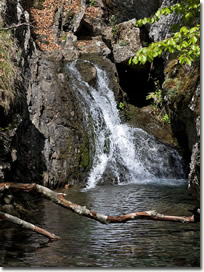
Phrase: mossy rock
x=145 y=119
x=180 y=83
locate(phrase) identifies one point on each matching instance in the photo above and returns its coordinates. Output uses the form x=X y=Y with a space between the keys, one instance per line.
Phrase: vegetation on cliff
x=7 y=70
x=185 y=42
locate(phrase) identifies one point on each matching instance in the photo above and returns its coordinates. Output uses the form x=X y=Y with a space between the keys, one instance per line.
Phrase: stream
x=86 y=243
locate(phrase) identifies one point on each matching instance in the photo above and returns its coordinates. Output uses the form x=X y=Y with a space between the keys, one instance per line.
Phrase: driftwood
x=27 y=225
x=58 y=198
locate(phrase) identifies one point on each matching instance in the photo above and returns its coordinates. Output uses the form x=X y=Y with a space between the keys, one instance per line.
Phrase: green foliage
x=166 y=118
x=188 y=9
x=156 y=97
x=113 y=23
x=113 y=20
x=185 y=42
x=92 y=3
x=121 y=106
x=115 y=30
x=123 y=43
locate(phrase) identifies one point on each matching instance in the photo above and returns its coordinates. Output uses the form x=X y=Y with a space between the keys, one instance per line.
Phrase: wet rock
x=194 y=175
x=87 y=71
x=52 y=103
x=104 y=63
x=144 y=118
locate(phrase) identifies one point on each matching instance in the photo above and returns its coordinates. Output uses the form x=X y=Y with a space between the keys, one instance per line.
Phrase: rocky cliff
x=181 y=90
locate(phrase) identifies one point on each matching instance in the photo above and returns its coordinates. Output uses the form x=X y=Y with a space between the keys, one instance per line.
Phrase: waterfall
x=121 y=153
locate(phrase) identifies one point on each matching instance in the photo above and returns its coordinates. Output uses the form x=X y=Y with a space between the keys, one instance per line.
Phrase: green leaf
x=194 y=39
x=184 y=30
x=135 y=60
x=188 y=16
x=130 y=61
x=142 y=59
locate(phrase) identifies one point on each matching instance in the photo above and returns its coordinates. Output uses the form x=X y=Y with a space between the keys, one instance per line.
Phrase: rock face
x=56 y=113
x=126 y=10
x=125 y=41
x=161 y=29
x=46 y=140
x=182 y=94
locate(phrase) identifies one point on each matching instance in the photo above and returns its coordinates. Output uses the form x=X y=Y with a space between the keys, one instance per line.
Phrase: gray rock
x=126 y=41
x=129 y=9
x=77 y=20
x=194 y=175
x=162 y=29
x=88 y=72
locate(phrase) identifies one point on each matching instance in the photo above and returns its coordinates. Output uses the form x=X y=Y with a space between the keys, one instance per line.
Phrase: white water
x=121 y=153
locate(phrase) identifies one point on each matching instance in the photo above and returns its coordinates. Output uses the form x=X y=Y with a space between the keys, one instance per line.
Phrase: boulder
x=87 y=72
x=144 y=118
x=56 y=112
x=125 y=41
x=94 y=46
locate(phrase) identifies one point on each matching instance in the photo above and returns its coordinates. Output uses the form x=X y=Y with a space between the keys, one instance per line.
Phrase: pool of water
x=86 y=243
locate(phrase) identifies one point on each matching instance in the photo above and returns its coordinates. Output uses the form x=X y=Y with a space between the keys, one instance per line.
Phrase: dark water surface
x=86 y=243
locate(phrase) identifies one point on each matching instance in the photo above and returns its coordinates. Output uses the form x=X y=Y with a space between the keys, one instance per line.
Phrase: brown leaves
x=43 y=22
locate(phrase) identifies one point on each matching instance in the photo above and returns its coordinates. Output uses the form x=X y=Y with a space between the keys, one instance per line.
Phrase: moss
x=64 y=155
x=7 y=70
x=85 y=156
x=84 y=159
x=181 y=82
x=27 y=4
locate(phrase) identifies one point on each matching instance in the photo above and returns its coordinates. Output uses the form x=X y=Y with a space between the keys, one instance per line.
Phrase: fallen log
x=58 y=198
x=27 y=225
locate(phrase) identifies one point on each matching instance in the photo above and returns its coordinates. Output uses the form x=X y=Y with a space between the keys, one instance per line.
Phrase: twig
x=15 y=26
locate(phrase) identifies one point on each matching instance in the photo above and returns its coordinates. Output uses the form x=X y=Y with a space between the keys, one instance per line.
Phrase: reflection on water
x=86 y=243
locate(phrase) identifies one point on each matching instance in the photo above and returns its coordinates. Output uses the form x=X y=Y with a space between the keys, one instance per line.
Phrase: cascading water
x=121 y=153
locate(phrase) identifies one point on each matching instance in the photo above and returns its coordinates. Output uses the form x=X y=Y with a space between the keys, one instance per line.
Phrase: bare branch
x=27 y=225
x=59 y=199
x=15 y=26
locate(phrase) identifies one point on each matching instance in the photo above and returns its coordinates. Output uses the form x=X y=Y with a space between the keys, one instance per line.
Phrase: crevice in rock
x=135 y=83
x=138 y=81
x=85 y=32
